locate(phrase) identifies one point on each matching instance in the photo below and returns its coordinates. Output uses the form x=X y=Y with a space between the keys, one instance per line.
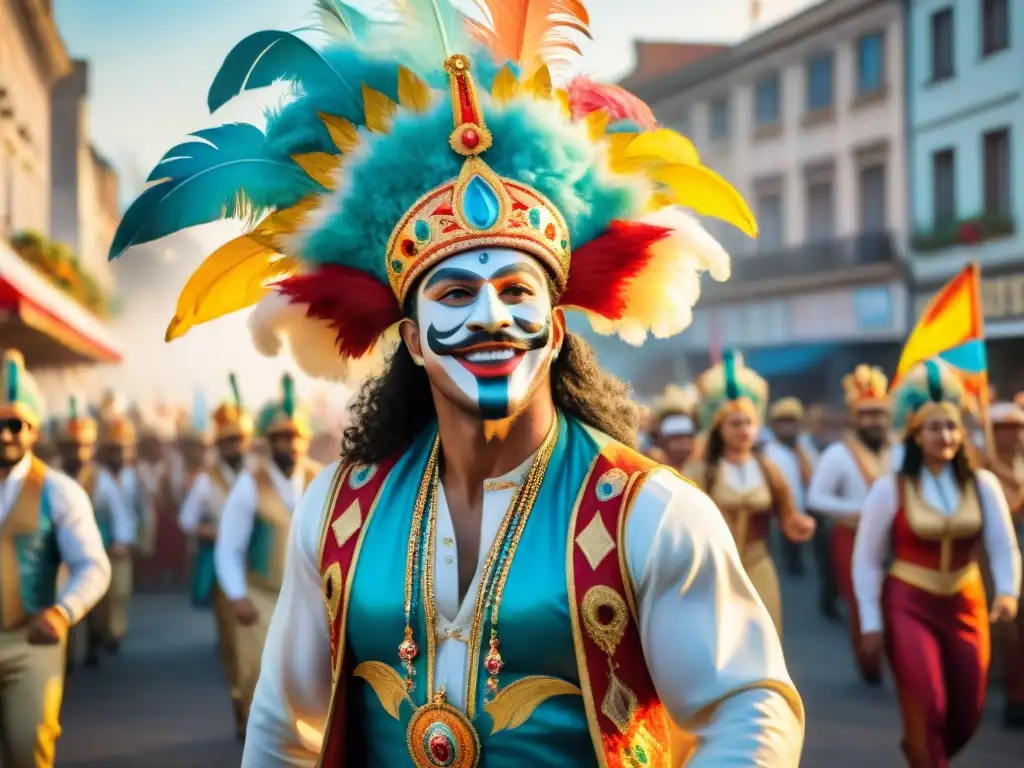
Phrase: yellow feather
x=663 y=146
x=343 y=133
x=505 y=87
x=539 y=86
x=617 y=144
x=284 y=222
x=231 y=278
x=413 y=92
x=386 y=683
x=597 y=123
x=706 y=193
x=320 y=167
x=379 y=109
x=562 y=96
x=516 y=702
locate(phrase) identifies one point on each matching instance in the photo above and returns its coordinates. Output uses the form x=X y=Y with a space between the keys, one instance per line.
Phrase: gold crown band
x=934 y=410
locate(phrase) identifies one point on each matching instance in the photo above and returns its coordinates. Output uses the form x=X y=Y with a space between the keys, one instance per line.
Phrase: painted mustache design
x=490 y=354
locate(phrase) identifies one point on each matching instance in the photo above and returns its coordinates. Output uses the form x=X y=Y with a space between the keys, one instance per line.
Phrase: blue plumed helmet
x=931 y=381
x=19 y=395
x=284 y=415
x=726 y=383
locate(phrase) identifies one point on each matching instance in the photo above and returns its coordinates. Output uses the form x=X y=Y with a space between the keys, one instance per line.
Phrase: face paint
x=485 y=320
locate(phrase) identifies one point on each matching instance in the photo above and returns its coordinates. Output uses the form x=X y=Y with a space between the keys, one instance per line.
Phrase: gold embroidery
x=347 y=523
x=608 y=629
x=515 y=703
x=620 y=703
x=498 y=485
x=332 y=590
x=386 y=683
x=595 y=542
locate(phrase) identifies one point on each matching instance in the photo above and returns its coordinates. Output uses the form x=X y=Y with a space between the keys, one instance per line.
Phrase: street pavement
x=162 y=702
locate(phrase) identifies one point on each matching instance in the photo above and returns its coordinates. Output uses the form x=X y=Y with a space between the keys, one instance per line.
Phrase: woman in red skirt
x=928 y=612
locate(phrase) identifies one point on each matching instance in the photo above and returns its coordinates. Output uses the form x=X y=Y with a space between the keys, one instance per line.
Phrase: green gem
x=534 y=217
x=396 y=265
x=422 y=230
x=565 y=244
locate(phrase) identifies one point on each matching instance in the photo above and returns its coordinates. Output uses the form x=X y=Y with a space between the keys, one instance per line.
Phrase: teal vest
x=28 y=540
x=535 y=631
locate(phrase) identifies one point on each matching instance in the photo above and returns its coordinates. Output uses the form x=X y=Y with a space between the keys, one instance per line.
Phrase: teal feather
x=236 y=393
x=288 y=398
x=230 y=172
x=732 y=387
x=340 y=20
x=430 y=31
x=13 y=385
x=73 y=408
x=624 y=126
x=934 y=380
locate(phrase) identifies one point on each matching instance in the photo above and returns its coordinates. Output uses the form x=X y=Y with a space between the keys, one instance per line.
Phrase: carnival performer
x=252 y=537
x=748 y=487
x=451 y=230
x=1007 y=464
x=841 y=481
x=673 y=425
x=115 y=454
x=199 y=518
x=928 y=611
x=46 y=521
x=75 y=441
x=786 y=451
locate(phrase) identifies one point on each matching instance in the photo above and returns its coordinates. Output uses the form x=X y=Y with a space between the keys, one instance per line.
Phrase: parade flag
x=952 y=327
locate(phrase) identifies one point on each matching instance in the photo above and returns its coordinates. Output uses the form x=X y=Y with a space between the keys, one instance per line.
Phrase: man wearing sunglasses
x=46 y=521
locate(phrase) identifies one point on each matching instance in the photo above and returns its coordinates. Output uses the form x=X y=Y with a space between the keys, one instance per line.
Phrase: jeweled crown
x=866 y=386
x=231 y=421
x=478 y=208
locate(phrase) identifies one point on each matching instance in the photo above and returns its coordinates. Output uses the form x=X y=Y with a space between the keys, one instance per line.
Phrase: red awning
x=49 y=327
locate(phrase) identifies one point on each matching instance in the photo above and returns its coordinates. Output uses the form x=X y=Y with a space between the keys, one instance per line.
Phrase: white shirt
x=788 y=462
x=78 y=536
x=148 y=474
x=872 y=547
x=837 y=486
x=704 y=631
x=107 y=494
x=236 y=523
x=205 y=499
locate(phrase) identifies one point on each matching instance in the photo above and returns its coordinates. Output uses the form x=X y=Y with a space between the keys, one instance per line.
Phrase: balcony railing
x=817 y=258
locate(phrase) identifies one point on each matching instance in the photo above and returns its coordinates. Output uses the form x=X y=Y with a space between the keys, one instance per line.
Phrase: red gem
x=407 y=651
x=470 y=138
x=408 y=247
x=549 y=231
x=493 y=664
x=440 y=748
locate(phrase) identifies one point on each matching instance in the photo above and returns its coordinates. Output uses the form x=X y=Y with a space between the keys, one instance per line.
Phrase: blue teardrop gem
x=480 y=204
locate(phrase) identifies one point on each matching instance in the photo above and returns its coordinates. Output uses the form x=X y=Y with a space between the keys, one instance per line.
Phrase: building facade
x=806 y=120
x=965 y=115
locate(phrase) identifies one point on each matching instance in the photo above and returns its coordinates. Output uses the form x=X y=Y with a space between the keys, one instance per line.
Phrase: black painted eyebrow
x=519 y=266
x=454 y=274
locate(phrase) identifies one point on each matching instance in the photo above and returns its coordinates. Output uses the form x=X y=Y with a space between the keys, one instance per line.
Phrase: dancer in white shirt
x=840 y=484
x=46 y=521
x=673 y=424
x=927 y=610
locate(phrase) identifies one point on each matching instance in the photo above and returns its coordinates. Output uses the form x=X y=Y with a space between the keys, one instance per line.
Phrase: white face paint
x=485 y=322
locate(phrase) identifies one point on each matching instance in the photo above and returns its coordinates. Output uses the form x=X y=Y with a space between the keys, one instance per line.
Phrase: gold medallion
x=440 y=736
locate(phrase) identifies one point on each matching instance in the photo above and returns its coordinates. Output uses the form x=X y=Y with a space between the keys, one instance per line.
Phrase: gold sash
x=22 y=519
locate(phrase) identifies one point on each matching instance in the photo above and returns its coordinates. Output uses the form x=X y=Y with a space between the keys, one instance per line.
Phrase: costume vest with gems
x=29 y=555
x=582 y=697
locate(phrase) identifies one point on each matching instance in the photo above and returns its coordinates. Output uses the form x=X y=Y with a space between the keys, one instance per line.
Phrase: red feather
x=586 y=96
x=603 y=268
x=355 y=304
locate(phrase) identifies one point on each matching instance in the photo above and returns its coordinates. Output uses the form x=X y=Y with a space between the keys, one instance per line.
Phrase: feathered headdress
x=931 y=387
x=78 y=427
x=675 y=401
x=730 y=384
x=786 y=408
x=231 y=419
x=413 y=139
x=115 y=424
x=284 y=415
x=195 y=424
x=866 y=388
x=19 y=395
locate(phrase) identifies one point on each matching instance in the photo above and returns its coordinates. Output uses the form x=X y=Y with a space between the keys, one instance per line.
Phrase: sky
x=150 y=64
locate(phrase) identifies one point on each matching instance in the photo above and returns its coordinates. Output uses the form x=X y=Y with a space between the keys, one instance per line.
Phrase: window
x=995 y=26
x=873 y=217
x=719 y=128
x=766 y=99
x=819 y=82
x=870 y=63
x=997 y=171
x=942 y=44
x=820 y=211
x=944 y=187
x=769 y=218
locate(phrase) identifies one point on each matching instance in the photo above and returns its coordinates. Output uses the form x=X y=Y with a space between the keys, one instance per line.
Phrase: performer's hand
x=206 y=531
x=871 y=647
x=245 y=612
x=1004 y=608
x=48 y=627
x=799 y=528
x=120 y=550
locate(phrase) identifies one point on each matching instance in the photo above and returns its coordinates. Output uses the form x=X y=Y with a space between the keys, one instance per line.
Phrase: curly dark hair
x=913 y=462
x=393 y=408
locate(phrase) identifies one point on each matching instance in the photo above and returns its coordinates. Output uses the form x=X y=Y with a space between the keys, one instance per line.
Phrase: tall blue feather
x=288 y=396
x=732 y=387
x=73 y=408
x=233 y=167
x=934 y=380
x=236 y=393
x=12 y=380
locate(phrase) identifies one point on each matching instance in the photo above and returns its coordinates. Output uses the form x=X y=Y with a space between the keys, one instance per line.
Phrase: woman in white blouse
x=928 y=612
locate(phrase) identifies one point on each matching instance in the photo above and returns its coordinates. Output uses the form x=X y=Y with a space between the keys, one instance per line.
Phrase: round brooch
x=611 y=484
x=440 y=736
x=361 y=476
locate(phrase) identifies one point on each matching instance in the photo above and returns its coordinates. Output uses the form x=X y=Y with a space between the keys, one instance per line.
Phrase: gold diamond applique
x=347 y=524
x=595 y=542
x=620 y=703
